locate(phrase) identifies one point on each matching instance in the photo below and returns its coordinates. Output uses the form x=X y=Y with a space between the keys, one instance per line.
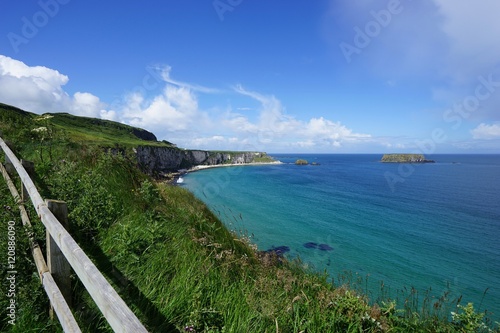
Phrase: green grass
x=177 y=266
x=31 y=302
x=64 y=128
x=264 y=159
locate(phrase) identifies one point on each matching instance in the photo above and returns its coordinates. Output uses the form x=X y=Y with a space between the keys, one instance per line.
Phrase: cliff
x=153 y=157
x=405 y=158
x=157 y=160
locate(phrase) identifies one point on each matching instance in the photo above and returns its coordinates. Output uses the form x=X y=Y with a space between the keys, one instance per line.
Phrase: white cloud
x=165 y=70
x=176 y=109
x=40 y=89
x=220 y=142
x=239 y=123
x=486 y=132
x=174 y=113
x=86 y=104
x=275 y=125
x=109 y=115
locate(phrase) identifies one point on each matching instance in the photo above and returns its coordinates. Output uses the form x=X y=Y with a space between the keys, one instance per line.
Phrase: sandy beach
x=202 y=167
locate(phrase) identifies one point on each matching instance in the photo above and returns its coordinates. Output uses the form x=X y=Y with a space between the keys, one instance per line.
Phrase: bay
x=431 y=228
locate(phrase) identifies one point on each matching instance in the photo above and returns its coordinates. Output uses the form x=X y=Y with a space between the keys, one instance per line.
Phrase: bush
x=92 y=204
x=467 y=320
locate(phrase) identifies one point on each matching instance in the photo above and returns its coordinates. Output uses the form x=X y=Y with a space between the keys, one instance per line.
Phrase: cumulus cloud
x=176 y=109
x=40 y=89
x=275 y=124
x=486 y=132
x=174 y=113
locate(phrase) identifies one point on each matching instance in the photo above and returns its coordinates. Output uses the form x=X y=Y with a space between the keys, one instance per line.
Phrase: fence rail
x=114 y=309
x=56 y=298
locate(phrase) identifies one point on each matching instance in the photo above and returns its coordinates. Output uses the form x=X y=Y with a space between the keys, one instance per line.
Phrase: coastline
x=174 y=179
x=203 y=167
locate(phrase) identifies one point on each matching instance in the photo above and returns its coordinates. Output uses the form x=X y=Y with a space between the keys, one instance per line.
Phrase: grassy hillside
x=171 y=259
x=22 y=126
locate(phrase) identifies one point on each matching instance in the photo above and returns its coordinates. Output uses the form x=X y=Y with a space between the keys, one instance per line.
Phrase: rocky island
x=405 y=158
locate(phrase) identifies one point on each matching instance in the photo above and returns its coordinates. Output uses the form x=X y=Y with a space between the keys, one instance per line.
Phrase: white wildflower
x=44 y=117
x=39 y=129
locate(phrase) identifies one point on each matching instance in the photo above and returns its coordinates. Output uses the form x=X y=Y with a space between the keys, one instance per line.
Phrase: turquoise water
x=430 y=227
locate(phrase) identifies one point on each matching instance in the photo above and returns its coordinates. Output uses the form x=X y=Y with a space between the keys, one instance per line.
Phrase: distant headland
x=405 y=158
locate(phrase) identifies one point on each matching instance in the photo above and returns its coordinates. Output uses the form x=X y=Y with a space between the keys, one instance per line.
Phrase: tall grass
x=31 y=302
x=180 y=269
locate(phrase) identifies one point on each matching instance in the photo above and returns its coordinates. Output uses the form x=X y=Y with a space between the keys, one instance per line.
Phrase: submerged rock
x=310 y=245
x=325 y=247
x=322 y=247
x=280 y=250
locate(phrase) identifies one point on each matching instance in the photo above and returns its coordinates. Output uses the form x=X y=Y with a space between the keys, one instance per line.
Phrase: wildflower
x=39 y=129
x=44 y=117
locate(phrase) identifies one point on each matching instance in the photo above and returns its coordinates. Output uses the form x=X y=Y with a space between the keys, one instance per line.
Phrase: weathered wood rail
x=114 y=309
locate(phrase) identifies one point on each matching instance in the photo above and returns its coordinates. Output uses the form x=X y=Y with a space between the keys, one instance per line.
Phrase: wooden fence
x=114 y=309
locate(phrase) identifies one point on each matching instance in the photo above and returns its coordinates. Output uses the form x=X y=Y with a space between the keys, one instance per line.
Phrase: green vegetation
x=176 y=265
x=264 y=159
x=301 y=162
x=56 y=129
x=405 y=158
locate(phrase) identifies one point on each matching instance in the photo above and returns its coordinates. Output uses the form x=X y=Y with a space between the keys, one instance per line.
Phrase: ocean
x=431 y=229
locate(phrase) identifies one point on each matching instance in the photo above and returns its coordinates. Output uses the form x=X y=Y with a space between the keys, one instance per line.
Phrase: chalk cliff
x=158 y=160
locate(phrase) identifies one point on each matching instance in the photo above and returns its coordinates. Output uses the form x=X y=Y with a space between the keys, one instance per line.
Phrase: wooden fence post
x=9 y=166
x=30 y=169
x=57 y=263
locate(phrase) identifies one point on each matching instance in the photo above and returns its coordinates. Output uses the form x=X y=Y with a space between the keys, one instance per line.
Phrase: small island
x=405 y=158
x=301 y=162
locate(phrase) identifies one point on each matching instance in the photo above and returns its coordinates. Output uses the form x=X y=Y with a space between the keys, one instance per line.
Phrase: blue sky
x=359 y=76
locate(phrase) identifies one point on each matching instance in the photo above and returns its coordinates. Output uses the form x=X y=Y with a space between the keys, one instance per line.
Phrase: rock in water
x=280 y=250
x=310 y=245
x=325 y=247
x=405 y=158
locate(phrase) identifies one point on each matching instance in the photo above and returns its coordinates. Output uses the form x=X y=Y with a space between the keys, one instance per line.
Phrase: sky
x=324 y=76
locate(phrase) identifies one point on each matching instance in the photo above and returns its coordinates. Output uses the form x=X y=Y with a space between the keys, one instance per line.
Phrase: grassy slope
x=62 y=126
x=171 y=259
